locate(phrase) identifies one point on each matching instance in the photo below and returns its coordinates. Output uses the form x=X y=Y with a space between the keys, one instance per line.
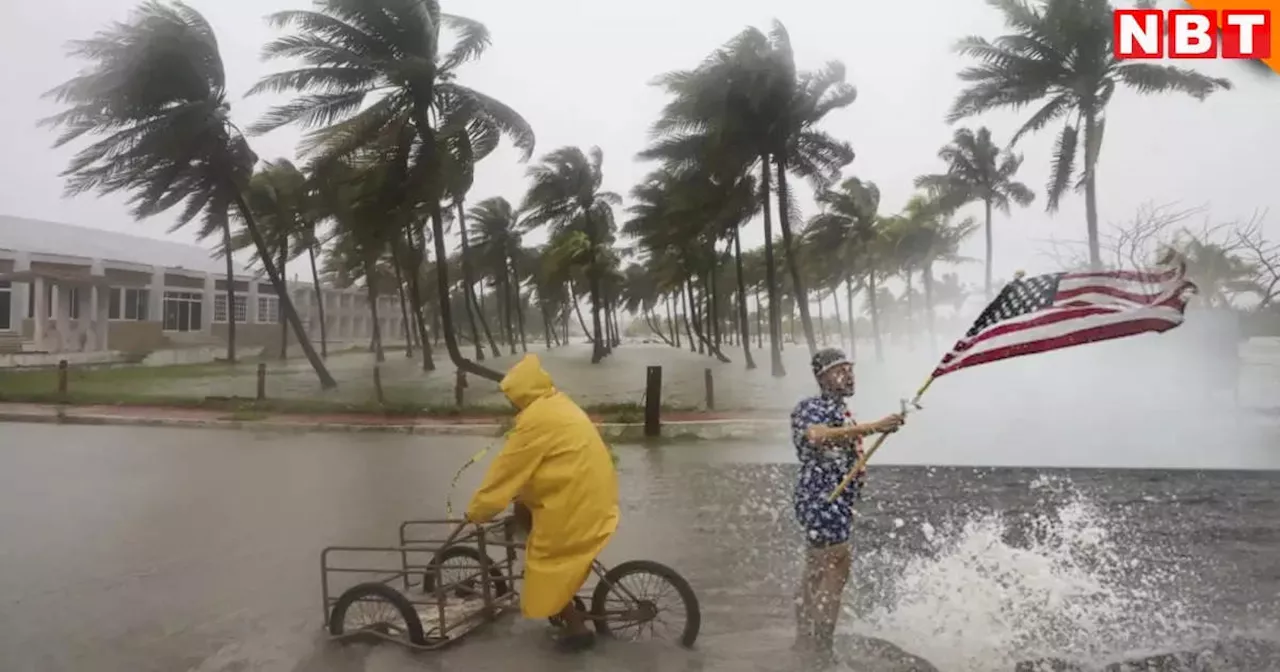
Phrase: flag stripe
x=1030 y=321
x=1129 y=327
x=1049 y=312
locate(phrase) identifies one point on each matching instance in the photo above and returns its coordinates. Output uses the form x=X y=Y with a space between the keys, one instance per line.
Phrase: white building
x=69 y=288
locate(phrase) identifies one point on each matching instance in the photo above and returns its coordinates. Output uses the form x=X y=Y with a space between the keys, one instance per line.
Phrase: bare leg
x=821 y=589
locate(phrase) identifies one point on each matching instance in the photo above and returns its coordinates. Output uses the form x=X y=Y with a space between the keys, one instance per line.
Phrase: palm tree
x=372 y=65
x=497 y=248
x=748 y=102
x=566 y=192
x=1060 y=54
x=977 y=170
x=156 y=90
x=845 y=228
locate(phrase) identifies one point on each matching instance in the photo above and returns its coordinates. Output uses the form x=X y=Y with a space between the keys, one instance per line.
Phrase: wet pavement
x=162 y=550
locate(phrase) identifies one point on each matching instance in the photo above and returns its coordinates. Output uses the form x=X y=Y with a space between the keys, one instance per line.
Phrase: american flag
x=1059 y=310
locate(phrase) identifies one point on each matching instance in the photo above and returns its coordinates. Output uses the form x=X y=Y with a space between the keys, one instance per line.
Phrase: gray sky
x=579 y=71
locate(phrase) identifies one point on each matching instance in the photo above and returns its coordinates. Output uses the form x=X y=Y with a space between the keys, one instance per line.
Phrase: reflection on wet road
x=155 y=550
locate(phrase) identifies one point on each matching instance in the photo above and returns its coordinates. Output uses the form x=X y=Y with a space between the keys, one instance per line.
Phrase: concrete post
x=18 y=293
x=206 y=309
x=155 y=296
x=40 y=315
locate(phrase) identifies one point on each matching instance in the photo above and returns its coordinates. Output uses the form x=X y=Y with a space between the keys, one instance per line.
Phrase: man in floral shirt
x=828 y=443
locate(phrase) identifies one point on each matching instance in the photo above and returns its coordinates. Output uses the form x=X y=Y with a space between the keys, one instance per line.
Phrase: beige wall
x=173 y=280
x=255 y=335
x=128 y=277
x=63 y=269
x=136 y=337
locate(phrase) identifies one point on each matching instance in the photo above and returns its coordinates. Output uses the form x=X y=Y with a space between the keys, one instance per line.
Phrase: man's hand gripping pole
x=908 y=406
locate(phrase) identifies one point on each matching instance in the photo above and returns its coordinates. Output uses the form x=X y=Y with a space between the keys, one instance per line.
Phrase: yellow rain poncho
x=556 y=463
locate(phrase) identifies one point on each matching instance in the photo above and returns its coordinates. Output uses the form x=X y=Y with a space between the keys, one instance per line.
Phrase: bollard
x=459 y=384
x=653 y=401
x=262 y=381
x=711 y=389
x=62 y=378
x=377 y=385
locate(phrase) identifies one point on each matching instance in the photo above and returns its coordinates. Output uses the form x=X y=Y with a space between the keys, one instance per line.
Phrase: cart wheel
x=577 y=604
x=470 y=559
x=376 y=608
x=641 y=595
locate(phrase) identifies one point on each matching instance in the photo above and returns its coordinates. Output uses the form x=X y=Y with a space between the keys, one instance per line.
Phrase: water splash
x=992 y=589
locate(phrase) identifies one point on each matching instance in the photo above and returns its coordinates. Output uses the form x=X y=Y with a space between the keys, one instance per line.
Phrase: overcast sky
x=580 y=70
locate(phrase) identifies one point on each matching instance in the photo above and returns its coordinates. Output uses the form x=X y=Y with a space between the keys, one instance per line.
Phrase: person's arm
x=828 y=434
x=510 y=470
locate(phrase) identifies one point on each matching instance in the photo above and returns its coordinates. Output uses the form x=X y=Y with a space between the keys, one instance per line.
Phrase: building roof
x=33 y=235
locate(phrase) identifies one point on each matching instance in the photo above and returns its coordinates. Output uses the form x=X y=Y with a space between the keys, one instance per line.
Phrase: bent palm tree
x=566 y=190
x=156 y=92
x=370 y=65
x=1060 y=55
x=977 y=170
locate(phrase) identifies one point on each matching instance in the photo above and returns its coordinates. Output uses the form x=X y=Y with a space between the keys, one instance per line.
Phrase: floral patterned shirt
x=822 y=467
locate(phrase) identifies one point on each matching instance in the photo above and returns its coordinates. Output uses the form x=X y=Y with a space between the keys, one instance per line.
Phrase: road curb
x=684 y=429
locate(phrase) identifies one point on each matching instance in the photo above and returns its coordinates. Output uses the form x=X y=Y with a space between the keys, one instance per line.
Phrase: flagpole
x=862 y=461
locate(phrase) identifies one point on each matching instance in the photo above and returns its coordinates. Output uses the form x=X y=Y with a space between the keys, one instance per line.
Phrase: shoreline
x=676 y=425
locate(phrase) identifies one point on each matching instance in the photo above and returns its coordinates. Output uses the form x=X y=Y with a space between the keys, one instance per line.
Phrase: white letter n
x=1147 y=34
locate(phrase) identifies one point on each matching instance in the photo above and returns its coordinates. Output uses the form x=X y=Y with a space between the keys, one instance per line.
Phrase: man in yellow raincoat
x=555 y=463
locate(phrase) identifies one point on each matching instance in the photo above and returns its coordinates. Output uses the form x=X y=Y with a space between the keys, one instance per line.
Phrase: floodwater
x=158 y=550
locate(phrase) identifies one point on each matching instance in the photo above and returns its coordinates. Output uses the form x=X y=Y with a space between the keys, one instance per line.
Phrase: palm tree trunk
x=693 y=318
x=468 y=285
x=648 y=320
x=835 y=303
x=743 y=326
x=875 y=316
x=759 y=312
x=404 y=310
x=484 y=321
x=577 y=310
x=371 y=287
x=848 y=297
x=277 y=281
x=284 y=326
x=442 y=286
x=911 y=304
x=418 y=253
x=688 y=328
x=315 y=282
x=927 y=280
x=505 y=307
x=822 y=321
x=793 y=263
x=672 y=325
x=986 y=285
x=1091 y=143
x=515 y=273
x=231 y=292
x=593 y=284
x=770 y=274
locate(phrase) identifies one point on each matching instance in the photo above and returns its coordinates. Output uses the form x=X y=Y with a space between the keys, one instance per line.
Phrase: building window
x=268 y=309
x=73 y=311
x=182 y=311
x=220 y=308
x=6 y=302
x=132 y=304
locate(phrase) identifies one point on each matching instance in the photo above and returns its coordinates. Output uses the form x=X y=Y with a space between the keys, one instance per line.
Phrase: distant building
x=69 y=288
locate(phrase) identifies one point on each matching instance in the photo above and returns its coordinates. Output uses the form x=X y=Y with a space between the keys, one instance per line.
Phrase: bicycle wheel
x=462 y=564
x=376 y=608
x=642 y=596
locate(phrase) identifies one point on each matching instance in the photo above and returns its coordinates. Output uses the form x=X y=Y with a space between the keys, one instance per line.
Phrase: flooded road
x=156 y=550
